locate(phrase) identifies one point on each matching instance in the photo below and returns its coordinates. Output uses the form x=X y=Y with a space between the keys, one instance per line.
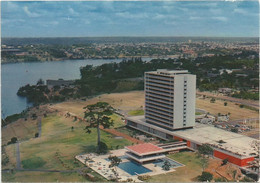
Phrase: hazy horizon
x=137 y=37
x=129 y=19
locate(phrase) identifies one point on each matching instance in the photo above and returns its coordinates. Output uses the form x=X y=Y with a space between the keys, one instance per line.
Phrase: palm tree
x=114 y=162
x=96 y=115
x=166 y=166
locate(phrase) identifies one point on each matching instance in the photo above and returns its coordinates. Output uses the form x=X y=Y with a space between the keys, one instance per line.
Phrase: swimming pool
x=133 y=168
x=160 y=163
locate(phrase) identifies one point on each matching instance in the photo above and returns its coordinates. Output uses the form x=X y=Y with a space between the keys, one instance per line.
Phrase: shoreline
x=96 y=58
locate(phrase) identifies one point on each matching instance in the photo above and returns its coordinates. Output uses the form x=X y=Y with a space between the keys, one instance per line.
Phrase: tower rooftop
x=168 y=72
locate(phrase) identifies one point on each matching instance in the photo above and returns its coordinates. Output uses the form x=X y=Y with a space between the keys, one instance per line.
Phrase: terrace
x=127 y=169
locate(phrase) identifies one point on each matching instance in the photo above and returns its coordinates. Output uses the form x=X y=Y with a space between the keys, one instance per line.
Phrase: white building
x=170 y=98
x=170 y=110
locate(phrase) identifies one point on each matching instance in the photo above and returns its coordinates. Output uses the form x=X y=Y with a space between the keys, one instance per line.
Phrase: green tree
x=40 y=82
x=204 y=163
x=96 y=115
x=235 y=130
x=114 y=162
x=225 y=103
x=212 y=100
x=224 y=162
x=166 y=165
x=205 y=149
x=205 y=176
x=14 y=140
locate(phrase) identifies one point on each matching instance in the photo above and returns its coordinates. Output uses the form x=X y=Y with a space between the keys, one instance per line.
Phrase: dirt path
x=39 y=127
x=18 y=160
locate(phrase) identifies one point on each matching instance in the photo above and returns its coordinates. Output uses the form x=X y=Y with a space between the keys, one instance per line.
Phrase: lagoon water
x=15 y=75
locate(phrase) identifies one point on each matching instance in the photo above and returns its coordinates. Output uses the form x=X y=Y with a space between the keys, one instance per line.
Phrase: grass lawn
x=136 y=112
x=188 y=173
x=125 y=130
x=118 y=122
x=21 y=129
x=58 y=146
x=11 y=152
x=42 y=177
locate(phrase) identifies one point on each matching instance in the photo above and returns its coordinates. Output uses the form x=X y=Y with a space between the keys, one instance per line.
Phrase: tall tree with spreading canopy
x=98 y=115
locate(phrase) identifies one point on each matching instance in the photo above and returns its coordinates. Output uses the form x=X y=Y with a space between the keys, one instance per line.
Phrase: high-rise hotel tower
x=170 y=98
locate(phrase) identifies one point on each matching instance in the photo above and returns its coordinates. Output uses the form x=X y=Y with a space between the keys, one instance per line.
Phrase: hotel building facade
x=170 y=114
x=170 y=98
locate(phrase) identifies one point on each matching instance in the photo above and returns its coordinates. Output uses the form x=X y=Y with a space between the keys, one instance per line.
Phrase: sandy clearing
x=135 y=100
x=123 y=101
x=218 y=107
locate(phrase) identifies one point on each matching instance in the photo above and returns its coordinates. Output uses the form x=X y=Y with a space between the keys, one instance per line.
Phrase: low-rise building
x=237 y=148
x=60 y=82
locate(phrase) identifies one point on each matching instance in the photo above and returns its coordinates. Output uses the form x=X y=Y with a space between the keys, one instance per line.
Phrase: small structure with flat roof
x=237 y=148
x=149 y=152
x=144 y=152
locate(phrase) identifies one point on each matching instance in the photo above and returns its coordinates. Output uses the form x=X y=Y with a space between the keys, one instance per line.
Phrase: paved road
x=254 y=104
x=18 y=160
x=40 y=126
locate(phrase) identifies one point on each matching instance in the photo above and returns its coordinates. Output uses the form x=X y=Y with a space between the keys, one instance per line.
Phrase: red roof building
x=145 y=152
x=144 y=149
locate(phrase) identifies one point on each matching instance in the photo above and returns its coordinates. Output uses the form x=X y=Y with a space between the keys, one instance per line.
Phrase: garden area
x=56 y=149
x=188 y=173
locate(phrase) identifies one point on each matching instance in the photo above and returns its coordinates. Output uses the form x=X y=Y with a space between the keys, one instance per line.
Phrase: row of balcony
x=159 y=96
x=147 y=79
x=159 y=78
x=155 y=106
x=162 y=124
x=158 y=115
x=159 y=83
x=160 y=120
x=167 y=106
x=147 y=87
x=159 y=100
x=159 y=110
x=159 y=93
x=149 y=109
x=168 y=88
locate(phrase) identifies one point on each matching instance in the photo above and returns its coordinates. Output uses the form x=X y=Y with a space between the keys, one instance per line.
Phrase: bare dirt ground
x=124 y=101
x=228 y=171
x=24 y=129
x=135 y=100
x=218 y=107
x=251 y=103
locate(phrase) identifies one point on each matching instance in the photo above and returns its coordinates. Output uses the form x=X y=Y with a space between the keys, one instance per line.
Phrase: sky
x=145 y=18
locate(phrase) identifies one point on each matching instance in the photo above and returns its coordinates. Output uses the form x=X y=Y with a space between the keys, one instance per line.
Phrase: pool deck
x=101 y=166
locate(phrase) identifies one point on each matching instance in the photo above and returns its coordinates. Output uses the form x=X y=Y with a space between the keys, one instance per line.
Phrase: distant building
x=225 y=90
x=205 y=119
x=60 y=82
x=221 y=71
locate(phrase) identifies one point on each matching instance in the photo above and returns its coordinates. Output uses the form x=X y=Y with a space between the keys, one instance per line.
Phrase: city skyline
x=146 y=18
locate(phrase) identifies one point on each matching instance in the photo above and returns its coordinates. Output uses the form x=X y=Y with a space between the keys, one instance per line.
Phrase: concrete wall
x=179 y=101
x=191 y=100
x=232 y=159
